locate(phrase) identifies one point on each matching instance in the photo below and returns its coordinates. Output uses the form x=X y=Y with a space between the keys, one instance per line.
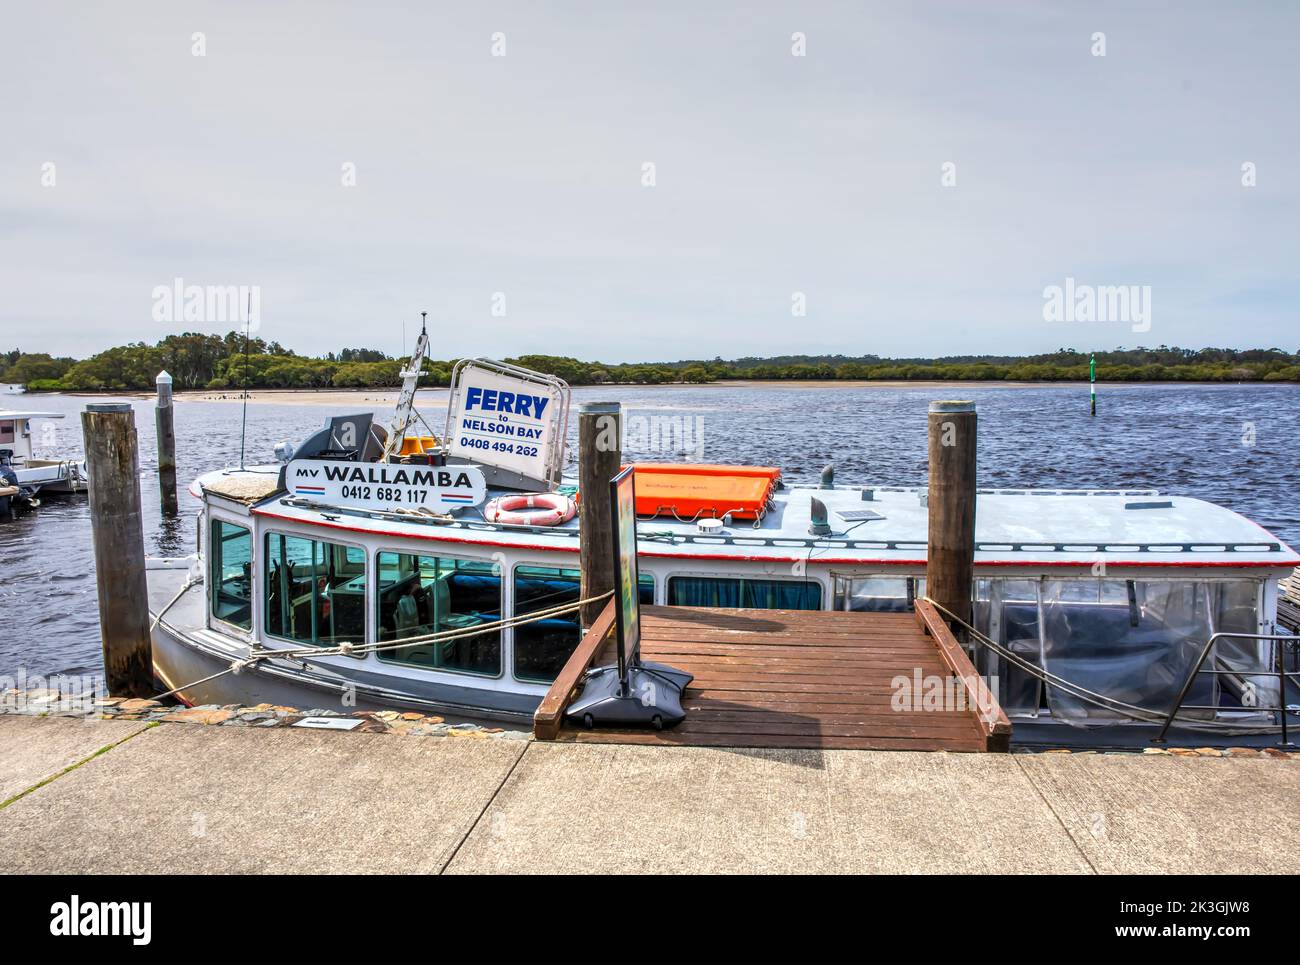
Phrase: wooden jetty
x=815 y=679
x=795 y=679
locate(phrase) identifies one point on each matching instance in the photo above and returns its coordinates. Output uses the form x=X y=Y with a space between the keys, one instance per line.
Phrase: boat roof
x=20 y=414
x=241 y=486
x=871 y=525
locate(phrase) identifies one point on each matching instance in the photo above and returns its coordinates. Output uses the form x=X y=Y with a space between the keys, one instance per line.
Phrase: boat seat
x=408 y=617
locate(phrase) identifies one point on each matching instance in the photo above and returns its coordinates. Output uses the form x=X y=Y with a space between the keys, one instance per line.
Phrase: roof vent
x=710 y=527
x=820 y=523
x=1160 y=504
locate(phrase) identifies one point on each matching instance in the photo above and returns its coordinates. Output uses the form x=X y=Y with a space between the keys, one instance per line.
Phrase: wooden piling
x=166 y=446
x=113 y=467
x=950 y=564
x=600 y=456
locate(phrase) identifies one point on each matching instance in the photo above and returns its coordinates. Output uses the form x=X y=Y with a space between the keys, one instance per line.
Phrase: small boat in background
x=22 y=475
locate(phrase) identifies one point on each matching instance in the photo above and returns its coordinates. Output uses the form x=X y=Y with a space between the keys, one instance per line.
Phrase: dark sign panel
x=627 y=600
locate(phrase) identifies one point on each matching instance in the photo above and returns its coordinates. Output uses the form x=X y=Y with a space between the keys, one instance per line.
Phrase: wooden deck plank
x=679 y=737
x=728 y=687
x=833 y=705
x=788 y=678
x=741 y=653
x=992 y=720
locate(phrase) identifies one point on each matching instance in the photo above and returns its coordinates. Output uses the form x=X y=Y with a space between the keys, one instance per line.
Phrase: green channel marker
x=1092 y=380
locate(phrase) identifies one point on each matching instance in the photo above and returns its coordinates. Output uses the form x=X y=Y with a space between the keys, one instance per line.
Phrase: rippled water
x=1185 y=440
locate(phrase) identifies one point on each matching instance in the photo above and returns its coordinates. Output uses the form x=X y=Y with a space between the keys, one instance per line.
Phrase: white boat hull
x=185 y=653
x=50 y=476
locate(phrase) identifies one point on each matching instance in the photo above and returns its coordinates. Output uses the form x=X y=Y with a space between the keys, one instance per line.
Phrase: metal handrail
x=1281 y=673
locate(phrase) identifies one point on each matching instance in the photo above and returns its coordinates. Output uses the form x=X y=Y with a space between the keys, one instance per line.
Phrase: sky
x=898 y=179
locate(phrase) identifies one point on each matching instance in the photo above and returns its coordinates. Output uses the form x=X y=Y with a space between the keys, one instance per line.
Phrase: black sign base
x=653 y=698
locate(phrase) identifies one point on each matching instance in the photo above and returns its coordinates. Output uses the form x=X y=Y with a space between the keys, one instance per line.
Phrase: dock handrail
x=549 y=716
x=1281 y=673
x=992 y=719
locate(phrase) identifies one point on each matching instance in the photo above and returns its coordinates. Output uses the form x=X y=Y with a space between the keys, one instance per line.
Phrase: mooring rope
x=189 y=583
x=442 y=636
x=258 y=653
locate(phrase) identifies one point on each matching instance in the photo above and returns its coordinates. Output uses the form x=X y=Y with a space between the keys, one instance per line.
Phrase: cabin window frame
x=373 y=615
x=20 y=440
x=206 y=542
x=824 y=600
x=367 y=634
x=911 y=594
x=655 y=582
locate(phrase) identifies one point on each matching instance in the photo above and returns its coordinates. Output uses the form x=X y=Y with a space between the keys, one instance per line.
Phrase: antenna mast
x=406 y=399
x=243 y=420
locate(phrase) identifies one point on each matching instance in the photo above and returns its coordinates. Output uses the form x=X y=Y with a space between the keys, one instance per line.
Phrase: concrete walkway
x=121 y=797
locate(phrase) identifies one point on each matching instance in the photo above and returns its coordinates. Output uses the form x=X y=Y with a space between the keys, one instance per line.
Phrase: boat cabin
x=16 y=434
x=19 y=465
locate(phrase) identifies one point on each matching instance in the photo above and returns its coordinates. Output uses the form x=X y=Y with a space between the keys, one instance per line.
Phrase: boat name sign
x=387 y=486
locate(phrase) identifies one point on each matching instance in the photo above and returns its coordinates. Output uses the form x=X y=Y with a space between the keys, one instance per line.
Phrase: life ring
x=531 y=509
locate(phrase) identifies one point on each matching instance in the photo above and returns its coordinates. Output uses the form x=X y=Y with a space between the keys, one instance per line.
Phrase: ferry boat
x=317 y=589
x=22 y=476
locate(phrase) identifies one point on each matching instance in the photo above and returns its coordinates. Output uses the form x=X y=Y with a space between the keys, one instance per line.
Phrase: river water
x=1236 y=445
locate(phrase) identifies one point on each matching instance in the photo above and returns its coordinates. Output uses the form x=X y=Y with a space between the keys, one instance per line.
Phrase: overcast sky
x=775 y=174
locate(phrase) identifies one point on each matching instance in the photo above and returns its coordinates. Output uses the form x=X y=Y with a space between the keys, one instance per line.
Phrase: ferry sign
x=507 y=422
x=386 y=486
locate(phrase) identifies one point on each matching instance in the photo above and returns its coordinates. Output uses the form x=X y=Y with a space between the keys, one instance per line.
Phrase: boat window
x=6 y=432
x=231 y=558
x=421 y=595
x=315 y=590
x=1133 y=640
x=1007 y=611
x=1235 y=609
x=877 y=594
x=542 y=647
x=732 y=592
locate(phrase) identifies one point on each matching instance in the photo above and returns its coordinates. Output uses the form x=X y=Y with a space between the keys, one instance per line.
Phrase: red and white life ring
x=531 y=509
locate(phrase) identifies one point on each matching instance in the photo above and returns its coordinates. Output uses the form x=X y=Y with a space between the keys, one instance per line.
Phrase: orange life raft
x=694 y=491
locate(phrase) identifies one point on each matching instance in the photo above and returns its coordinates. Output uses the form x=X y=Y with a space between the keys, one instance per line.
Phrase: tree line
x=215 y=362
